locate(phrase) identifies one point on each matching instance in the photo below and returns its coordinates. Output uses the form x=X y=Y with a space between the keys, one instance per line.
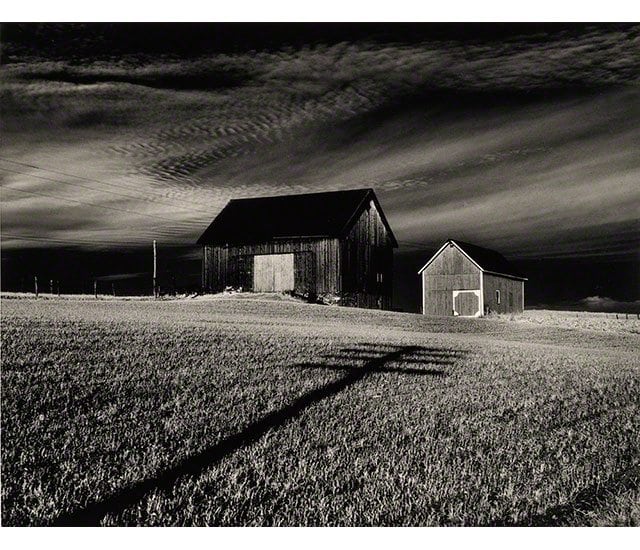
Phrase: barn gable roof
x=328 y=214
x=485 y=259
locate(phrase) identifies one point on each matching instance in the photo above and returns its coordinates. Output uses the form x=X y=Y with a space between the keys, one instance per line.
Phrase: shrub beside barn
x=468 y=280
x=334 y=244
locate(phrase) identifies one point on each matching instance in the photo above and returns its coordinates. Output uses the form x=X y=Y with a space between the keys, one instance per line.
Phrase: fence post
x=58 y=285
x=95 y=289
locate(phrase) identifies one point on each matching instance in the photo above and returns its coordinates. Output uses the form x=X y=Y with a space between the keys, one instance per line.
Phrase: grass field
x=237 y=411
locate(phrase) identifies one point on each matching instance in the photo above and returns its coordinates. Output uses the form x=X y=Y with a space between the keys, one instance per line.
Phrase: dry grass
x=254 y=412
x=585 y=320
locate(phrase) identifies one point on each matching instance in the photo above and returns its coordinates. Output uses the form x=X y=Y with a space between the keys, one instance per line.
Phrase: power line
x=4 y=187
x=145 y=199
x=147 y=236
x=107 y=242
x=76 y=241
x=65 y=241
x=111 y=184
x=425 y=246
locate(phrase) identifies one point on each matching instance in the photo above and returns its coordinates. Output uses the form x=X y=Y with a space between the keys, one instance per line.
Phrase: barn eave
x=474 y=262
x=371 y=195
x=506 y=275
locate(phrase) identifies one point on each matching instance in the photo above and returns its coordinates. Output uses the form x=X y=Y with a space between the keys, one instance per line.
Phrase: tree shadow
x=375 y=359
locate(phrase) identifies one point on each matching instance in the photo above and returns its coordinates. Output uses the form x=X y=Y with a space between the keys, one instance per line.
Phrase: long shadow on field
x=376 y=359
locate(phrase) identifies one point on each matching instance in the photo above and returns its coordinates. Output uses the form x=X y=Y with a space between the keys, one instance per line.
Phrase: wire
x=59 y=241
x=75 y=241
x=146 y=199
x=423 y=246
x=111 y=184
x=4 y=187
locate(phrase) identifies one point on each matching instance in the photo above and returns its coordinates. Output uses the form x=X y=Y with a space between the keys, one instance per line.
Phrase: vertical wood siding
x=466 y=304
x=316 y=264
x=510 y=294
x=357 y=268
x=273 y=273
x=450 y=271
x=367 y=262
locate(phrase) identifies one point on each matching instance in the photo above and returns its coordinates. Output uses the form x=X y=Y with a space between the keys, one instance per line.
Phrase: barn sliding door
x=466 y=303
x=273 y=273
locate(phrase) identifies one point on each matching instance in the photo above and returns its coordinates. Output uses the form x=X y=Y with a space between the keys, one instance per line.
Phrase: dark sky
x=518 y=137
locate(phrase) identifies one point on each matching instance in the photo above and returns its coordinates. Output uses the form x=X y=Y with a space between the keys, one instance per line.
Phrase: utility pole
x=95 y=289
x=35 y=284
x=155 y=257
x=51 y=286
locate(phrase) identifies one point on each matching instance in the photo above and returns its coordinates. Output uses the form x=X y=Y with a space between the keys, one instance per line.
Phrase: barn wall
x=505 y=286
x=357 y=268
x=450 y=270
x=367 y=262
x=369 y=228
x=316 y=264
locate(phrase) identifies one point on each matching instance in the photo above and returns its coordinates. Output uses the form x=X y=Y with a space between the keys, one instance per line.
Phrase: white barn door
x=466 y=303
x=273 y=272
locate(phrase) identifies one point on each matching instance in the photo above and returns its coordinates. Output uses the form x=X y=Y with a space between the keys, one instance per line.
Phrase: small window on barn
x=497 y=296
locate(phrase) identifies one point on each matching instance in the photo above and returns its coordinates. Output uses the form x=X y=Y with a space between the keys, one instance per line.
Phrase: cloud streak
x=521 y=144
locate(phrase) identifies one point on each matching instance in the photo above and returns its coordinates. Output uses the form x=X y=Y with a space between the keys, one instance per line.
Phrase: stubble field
x=237 y=411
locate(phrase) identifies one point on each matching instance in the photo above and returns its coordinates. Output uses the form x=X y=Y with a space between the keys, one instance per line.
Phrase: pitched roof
x=329 y=214
x=486 y=259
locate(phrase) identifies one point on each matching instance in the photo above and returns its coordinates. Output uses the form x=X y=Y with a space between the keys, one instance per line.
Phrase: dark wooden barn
x=336 y=244
x=468 y=280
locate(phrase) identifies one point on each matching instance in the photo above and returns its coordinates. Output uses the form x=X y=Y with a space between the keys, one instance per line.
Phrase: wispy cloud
x=452 y=135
